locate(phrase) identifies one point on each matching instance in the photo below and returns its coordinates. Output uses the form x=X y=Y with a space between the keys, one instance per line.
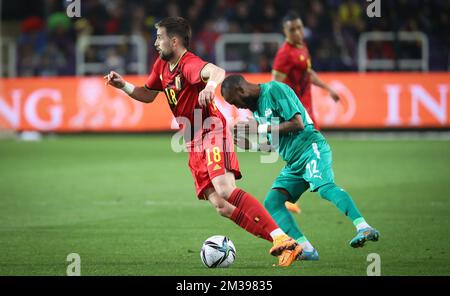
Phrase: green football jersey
x=278 y=103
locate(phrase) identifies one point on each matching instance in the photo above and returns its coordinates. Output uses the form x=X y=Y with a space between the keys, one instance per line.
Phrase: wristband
x=128 y=88
x=262 y=129
x=212 y=83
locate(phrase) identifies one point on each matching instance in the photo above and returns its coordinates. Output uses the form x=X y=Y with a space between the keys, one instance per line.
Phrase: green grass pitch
x=127 y=205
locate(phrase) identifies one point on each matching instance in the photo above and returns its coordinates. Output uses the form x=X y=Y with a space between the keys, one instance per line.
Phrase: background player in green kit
x=280 y=114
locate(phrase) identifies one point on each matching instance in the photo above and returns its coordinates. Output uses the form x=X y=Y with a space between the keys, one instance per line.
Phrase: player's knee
x=224 y=210
x=225 y=191
x=324 y=191
x=270 y=204
x=332 y=193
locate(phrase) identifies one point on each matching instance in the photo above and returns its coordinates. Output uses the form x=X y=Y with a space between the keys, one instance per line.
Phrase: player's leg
x=226 y=209
x=254 y=218
x=223 y=170
x=347 y=206
x=244 y=202
x=223 y=207
x=319 y=174
x=205 y=191
x=274 y=203
x=287 y=185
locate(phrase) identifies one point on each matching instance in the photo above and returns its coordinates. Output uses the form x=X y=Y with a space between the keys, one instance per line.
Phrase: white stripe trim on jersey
x=316 y=150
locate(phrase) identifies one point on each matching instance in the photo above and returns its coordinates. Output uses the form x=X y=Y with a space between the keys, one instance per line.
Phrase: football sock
x=276 y=232
x=242 y=220
x=360 y=223
x=274 y=203
x=254 y=210
x=341 y=199
x=305 y=244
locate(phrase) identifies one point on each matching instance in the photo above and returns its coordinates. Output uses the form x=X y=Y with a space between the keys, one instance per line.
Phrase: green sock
x=302 y=239
x=360 y=223
x=341 y=199
x=274 y=203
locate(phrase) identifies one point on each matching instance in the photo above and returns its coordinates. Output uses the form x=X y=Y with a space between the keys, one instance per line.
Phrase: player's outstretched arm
x=317 y=81
x=214 y=75
x=138 y=93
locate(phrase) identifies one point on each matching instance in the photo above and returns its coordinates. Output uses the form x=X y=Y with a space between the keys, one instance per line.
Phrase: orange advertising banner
x=373 y=100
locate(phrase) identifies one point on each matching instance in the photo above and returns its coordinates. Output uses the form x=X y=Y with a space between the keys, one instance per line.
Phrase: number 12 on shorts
x=215 y=155
x=312 y=168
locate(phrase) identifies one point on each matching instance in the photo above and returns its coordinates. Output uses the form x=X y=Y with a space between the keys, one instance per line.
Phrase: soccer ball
x=218 y=251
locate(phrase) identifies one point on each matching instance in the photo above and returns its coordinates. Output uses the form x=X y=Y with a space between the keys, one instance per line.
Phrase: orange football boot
x=292 y=207
x=288 y=256
x=280 y=243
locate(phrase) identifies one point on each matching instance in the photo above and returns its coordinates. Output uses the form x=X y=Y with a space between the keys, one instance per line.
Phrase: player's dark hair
x=292 y=15
x=177 y=26
x=231 y=81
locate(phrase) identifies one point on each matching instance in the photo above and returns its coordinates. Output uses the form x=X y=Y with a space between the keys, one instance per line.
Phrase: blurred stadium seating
x=39 y=39
x=45 y=39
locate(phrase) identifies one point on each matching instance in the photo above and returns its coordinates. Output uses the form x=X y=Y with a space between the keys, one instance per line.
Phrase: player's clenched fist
x=114 y=79
x=206 y=95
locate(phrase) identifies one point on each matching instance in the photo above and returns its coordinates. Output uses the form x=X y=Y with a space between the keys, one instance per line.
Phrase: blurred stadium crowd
x=46 y=36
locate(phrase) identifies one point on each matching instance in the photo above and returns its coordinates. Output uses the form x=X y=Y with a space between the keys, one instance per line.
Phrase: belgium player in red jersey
x=189 y=84
x=292 y=65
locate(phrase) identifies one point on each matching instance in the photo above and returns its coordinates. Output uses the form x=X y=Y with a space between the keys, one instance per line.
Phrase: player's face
x=163 y=44
x=235 y=97
x=241 y=98
x=294 y=31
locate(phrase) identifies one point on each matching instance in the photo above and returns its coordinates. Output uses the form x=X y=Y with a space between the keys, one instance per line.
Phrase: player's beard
x=167 y=56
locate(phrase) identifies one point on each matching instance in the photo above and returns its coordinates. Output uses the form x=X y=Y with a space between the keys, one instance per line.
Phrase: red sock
x=254 y=210
x=241 y=219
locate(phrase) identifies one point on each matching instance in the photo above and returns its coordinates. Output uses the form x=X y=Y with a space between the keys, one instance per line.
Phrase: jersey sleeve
x=153 y=81
x=282 y=62
x=192 y=69
x=286 y=102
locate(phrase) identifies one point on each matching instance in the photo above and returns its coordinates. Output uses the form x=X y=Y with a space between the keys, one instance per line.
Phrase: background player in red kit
x=189 y=85
x=292 y=65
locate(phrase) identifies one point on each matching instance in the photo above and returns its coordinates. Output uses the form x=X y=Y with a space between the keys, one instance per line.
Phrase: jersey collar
x=176 y=64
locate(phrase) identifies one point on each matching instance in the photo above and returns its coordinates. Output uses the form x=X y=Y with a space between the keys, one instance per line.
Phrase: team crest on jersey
x=178 y=82
x=302 y=57
x=268 y=112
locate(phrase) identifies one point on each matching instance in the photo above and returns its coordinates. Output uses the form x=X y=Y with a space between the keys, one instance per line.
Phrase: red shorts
x=210 y=160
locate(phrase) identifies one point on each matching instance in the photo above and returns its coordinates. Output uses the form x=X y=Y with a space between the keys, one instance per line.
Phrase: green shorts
x=312 y=170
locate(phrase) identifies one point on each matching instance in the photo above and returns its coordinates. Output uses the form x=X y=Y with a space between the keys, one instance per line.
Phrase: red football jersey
x=182 y=86
x=295 y=62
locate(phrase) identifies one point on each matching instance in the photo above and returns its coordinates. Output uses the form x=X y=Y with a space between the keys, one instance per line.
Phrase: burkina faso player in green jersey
x=290 y=131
